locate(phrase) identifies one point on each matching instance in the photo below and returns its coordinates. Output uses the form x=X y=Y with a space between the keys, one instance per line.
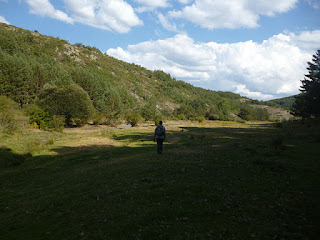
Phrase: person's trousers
x=159 y=145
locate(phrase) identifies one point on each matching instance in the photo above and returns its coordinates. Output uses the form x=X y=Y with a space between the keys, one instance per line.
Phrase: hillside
x=32 y=64
x=286 y=102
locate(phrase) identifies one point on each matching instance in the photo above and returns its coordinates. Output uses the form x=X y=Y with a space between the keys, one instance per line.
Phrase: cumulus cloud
x=213 y=14
x=45 y=8
x=147 y=5
x=114 y=15
x=3 y=20
x=307 y=40
x=264 y=70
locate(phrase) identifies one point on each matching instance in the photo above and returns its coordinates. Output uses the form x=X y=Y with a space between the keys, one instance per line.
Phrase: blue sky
x=257 y=48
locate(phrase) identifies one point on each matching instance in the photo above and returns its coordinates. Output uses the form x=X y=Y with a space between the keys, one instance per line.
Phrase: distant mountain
x=30 y=61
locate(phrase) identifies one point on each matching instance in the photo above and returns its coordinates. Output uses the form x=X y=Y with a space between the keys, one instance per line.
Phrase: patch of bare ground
x=276 y=113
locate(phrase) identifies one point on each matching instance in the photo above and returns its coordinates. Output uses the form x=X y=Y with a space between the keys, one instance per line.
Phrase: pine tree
x=308 y=102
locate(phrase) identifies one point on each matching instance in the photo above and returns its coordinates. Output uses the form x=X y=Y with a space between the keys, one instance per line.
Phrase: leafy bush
x=11 y=118
x=58 y=123
x=133 y=118
x=38 y=117
x=113 y=122
x=200 y=119
x=70 y=101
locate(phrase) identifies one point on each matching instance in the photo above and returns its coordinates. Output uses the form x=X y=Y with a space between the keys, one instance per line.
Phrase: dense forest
x=50 y=78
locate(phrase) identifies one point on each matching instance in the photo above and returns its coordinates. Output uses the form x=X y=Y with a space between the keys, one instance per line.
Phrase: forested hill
x=50 y=72
x=286 y=102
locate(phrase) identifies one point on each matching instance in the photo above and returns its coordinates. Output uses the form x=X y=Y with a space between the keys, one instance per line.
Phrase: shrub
x=58 y=123
x=133 y=118
x=38 y=117
x=113 y=122
x=212 y=116
x=77 y=122
x=11 y=118
x=200 y=119
x=99 y=119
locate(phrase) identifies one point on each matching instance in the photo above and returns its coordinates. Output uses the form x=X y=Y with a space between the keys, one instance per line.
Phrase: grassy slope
x=214 y=181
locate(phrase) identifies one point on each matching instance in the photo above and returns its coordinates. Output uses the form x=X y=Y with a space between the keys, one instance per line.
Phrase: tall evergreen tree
x=308 y=102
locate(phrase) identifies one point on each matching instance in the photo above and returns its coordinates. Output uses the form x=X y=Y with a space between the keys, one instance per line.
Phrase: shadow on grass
x=244 y=189
x=10 y=159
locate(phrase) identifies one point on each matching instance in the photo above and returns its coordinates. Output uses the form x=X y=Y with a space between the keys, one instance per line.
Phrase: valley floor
x=215 y=180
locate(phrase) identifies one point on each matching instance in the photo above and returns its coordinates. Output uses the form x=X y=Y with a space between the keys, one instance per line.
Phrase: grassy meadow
x=215 y=180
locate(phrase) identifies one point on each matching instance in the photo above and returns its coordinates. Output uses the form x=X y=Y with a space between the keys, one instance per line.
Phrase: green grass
x=213 y=181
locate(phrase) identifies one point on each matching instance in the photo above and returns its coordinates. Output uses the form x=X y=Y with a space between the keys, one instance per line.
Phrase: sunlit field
x=214 y=180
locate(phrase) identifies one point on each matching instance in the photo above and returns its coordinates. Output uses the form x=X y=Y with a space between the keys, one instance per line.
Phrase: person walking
x=159 y=135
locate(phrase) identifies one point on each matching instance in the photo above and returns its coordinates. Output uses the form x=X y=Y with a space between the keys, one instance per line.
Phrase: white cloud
x=45 y=8
x=166 y=24
x=147 y=5
x=184 y=1
x=115 y=15
x=242 y=90
x=264 y=70
x=3 y=20
x=212 y=14
x=314 y=3
x=306 y=39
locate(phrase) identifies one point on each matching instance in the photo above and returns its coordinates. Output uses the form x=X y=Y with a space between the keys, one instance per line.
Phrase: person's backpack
x=160 y=131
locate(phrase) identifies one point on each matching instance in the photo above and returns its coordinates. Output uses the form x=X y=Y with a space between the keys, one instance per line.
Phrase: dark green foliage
x=286 y=102
x=307 y=103
x=250 y=113
x=16 y=78
x=38 y=117
x=58 y=123
x=70 y=101
x=133 y=118
x=150 y=110
x=11 y=118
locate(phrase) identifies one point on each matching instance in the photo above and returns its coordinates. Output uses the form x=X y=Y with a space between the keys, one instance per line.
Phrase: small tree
x=133 y=118
x=70 y=101
x=308 y=102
